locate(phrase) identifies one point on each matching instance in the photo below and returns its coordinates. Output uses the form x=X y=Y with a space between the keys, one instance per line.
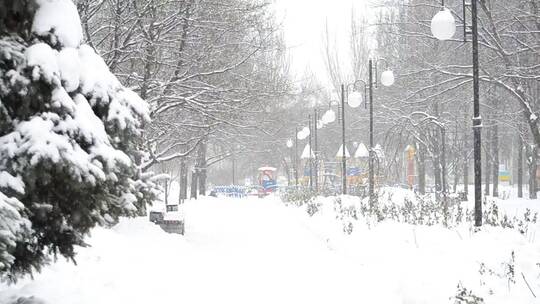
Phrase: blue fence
x=230 y=191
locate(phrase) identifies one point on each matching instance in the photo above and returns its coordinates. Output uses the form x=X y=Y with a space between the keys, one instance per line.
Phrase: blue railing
x=230 y=191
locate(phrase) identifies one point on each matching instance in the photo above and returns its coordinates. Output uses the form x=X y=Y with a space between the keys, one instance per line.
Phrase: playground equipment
x=267 y=180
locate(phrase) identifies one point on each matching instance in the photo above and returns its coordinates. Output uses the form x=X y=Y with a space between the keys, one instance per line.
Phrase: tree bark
x=487 y=162
x=202 y=164
x=443 y=162
x=465 y=161
x=495 y=157
x=166 y=186
x=287 y=170
x=533 y=165
x=520 y=167
x=456 y=175
x=421 y=167
x=149 y=60
x=437 y=167
x=194 y=183
x=437 y=171
x=183 y=181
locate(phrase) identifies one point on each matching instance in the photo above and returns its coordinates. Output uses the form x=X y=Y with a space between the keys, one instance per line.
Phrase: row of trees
x=77 y=146
x=436 y=76
x=430 y=105
x=213 y=72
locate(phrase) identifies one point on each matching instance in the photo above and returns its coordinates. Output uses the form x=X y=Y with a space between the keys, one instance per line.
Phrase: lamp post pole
x=443 y=28
x=371 y=177
x=477 y=120
x=343 y=156
x=387 y=79
x=310 y=154
x=315 y=151
x=296 y=157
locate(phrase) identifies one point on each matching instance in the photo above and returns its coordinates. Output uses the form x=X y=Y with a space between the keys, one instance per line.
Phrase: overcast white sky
x=304 y=22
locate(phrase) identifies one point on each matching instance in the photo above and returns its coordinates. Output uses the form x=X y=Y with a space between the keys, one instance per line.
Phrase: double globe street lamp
x=355 y=99
x=443 y=27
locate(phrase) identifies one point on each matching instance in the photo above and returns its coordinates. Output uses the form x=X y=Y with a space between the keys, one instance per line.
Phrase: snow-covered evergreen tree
x=68 y=137
x=13 y=226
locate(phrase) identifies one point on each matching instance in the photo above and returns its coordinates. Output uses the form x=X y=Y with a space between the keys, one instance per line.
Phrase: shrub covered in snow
x=68 y=137
x=425 y=210
x=26 y=300
x=298 y=197
x=465 y=296
x=414 y=209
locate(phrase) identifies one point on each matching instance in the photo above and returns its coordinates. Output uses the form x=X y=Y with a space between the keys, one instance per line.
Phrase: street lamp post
x=443 y=28
x=315 y=151
x=353 y=103
x=371 y=176
x=296 y=157
x=310 y=156
x=343 y=157
x=387 y=79
x=477 y=121
x=328 y=117
x=292 y=157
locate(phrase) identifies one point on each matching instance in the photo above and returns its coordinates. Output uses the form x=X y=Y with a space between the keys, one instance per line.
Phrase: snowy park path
x=234 y=251
x=260 y=251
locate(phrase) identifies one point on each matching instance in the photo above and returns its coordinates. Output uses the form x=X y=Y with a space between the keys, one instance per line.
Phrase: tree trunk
x=183 y=181
x=487 y=163
x=465 y=157
x=149 y=59
x=437 y=171
x=495 y=157
x=533 y=164
x=456 y=175
x=187 y=12
x=437 y=168
x=455 y=156
x=421 y=167
x=194 y=182
x=166 y=187
x=487 y=174
x=443 y=162
x=520 y=167
x=287 y=170
x=202 y=167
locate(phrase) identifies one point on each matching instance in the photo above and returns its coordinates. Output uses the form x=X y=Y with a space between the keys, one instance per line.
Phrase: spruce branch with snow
x=68 y=137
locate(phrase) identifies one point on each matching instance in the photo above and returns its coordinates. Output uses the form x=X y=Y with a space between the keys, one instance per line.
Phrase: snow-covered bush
x=68 y=137
x=26 y=300
x=466 y=296
x=298 y=197
x=312 y=207
x=417 y=210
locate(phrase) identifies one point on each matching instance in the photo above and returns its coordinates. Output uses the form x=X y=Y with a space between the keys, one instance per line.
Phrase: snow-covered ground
x=262 y=251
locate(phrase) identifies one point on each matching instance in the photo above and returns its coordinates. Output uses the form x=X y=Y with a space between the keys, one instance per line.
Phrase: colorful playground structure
x=267 y=180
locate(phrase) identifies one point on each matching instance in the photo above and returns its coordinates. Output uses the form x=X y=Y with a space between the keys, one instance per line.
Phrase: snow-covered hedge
x=68 y=137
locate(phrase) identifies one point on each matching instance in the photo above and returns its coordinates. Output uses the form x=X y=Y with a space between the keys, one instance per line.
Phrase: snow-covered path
x=260 y=251
x=256 y=251
x=234 y=251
